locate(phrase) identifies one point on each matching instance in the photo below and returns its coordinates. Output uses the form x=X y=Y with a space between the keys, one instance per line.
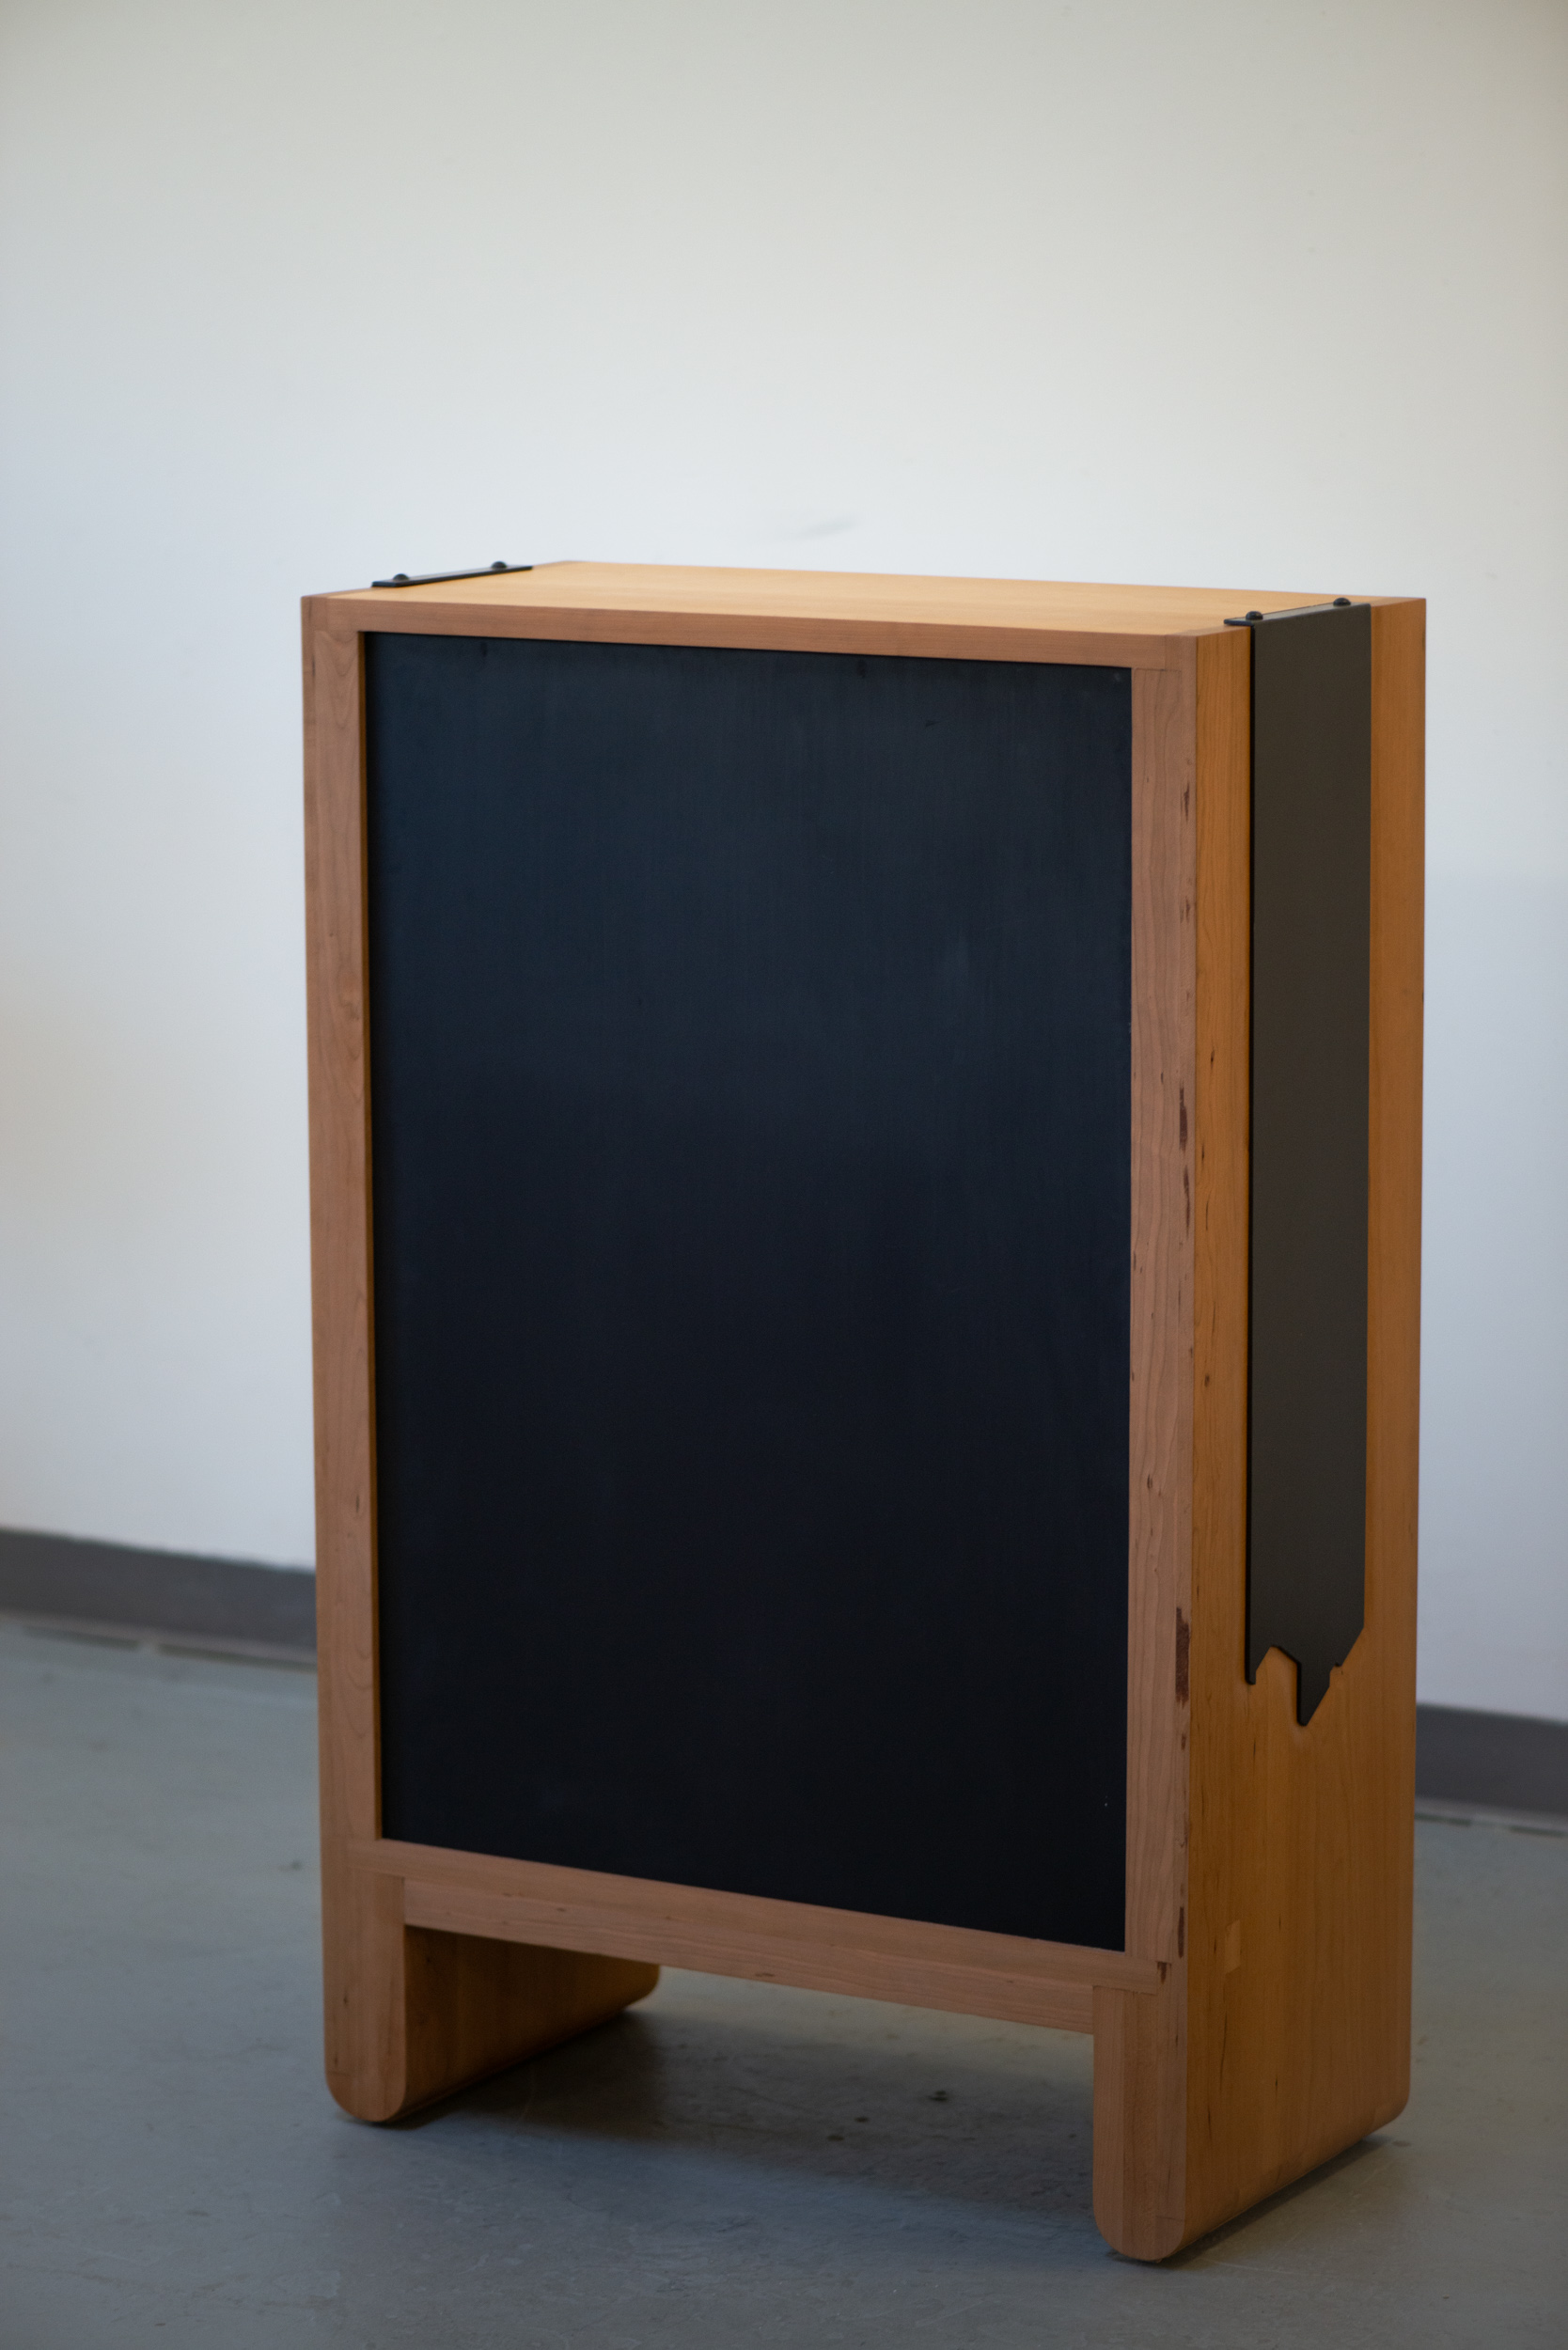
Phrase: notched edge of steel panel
x=1310 y=988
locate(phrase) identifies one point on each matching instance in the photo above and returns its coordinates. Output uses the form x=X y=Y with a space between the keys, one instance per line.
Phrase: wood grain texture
x=837 y=1966
x=1301 y=1837
x=955 y=1968
x=1003 y=620
x=1160 y=1354
x=418 y=2014
x=1138 y=2040
x=1140 y=2062
x=408 y=2015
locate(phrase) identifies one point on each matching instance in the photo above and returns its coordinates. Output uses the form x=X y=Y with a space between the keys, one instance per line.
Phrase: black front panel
x=750 y=1091
x=1311 y=934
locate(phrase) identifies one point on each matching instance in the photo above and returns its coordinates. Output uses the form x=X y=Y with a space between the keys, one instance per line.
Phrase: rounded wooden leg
x=412 y=2015
x=1141 y=2119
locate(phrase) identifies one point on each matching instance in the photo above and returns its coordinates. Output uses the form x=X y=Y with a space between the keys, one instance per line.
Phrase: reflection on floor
x=729 y=2163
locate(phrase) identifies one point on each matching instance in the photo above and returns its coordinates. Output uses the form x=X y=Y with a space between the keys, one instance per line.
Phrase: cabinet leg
x=1140 y=2096
x=412 y=2015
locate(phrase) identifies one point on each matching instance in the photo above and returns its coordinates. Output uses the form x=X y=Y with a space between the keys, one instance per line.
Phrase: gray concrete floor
x=728 y=2164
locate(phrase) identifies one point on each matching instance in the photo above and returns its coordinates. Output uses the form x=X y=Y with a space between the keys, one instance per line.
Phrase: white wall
x=1232 y=292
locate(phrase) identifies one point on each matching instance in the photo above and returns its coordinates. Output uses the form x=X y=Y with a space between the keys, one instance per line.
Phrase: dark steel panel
x=1312 y=915
x=750 y=1040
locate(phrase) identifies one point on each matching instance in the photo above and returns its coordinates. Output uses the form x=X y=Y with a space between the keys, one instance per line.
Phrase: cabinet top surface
x=823 y=611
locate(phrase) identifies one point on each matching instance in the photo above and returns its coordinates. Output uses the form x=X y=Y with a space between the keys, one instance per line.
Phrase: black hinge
x=1291 y=612
x=429 y=579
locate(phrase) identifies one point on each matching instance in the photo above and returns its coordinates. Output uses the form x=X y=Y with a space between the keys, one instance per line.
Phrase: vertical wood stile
x=1139 y=2039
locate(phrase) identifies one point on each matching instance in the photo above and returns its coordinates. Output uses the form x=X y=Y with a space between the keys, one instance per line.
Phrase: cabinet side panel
x=1301 y=1837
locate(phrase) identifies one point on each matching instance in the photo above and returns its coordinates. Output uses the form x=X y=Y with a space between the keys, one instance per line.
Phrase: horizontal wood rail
x=1006 y=619
x=1005 y=1976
